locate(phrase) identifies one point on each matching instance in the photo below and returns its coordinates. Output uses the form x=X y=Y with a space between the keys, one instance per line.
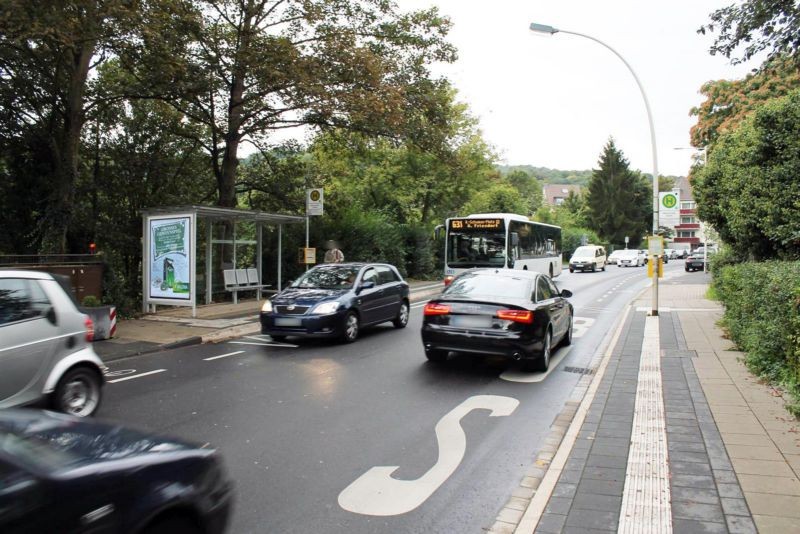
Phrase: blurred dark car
x=518 y=314
x=59 y=473
x=337 y=300
x=694 y=262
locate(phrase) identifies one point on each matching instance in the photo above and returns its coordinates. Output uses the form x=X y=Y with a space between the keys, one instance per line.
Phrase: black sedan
x=337 y=300
x=517 y=314
x=695 y=262
x=59 y=473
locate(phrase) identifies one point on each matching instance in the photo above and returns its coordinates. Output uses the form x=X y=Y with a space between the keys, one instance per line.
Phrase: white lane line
x=223 y=356
x=377 y=493
x=418 y=304
x=646 y=496
x=136 y=376
x=532 y=378
x=265 y=344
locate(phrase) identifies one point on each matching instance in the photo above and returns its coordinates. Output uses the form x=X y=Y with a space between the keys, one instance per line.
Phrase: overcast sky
x=553 y=101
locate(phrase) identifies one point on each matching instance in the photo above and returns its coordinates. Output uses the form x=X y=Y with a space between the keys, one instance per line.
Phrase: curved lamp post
x=550 y=30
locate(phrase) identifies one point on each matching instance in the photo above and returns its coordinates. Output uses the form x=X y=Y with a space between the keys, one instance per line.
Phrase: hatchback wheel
x=594 y=267
x=350 y=329
x=78 y=392
x=402 y=316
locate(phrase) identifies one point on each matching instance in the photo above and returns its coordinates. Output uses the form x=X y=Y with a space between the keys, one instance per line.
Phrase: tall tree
x=261 y=66
x=618 y=199
x=48 y=53
x=748 y=190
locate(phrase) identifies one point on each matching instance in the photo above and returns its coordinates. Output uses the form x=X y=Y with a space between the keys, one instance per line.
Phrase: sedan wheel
x=436 y=355
x=78 y=392
x=350 y=330
x=542 y=362
x=402 y=316
x=568 y=336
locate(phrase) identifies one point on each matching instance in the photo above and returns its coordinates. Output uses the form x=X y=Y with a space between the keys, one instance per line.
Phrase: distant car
x=631 y=258
x=683 y=254
x=337 y=300
x=521 y=315
x=59 y=473
x=646 y=254
x=46 y=356
x=588 y=258
x=695 y=262
x=614 y=257
x=671 y=253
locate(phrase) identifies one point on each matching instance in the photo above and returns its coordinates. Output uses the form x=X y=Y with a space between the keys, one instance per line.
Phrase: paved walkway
x=672 y=435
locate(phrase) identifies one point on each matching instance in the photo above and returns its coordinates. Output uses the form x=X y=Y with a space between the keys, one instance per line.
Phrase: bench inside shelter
x=243 y=280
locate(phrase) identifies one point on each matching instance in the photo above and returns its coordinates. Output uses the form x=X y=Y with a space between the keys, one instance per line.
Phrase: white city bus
x=501 y=240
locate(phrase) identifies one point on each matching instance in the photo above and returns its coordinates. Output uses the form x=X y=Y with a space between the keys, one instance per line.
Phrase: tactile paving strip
x=646 y=496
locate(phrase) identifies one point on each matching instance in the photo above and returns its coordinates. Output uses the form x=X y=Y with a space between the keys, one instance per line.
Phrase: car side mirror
x=50 y=315
x=566 y=293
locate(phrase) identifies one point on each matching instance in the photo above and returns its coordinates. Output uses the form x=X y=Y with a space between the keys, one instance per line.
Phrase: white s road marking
x=377 y=493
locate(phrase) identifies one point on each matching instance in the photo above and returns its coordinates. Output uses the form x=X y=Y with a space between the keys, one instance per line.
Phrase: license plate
x=288 y=321
x=470 y=321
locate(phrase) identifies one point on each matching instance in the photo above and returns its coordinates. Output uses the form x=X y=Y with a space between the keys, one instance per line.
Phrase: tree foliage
x=748 y=190
x=756 y=25
x=727 y=103
x=618 y=199
x=528 y=187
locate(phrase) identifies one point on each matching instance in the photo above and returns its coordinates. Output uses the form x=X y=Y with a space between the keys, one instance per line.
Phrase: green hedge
x=762 y=316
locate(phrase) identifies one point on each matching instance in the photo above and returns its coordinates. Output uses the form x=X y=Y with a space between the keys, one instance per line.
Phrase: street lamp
x=550 y=30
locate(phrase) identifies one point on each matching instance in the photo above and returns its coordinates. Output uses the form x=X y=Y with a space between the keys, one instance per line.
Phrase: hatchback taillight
x=434 y=308
x=518 y=316
x=87 y=322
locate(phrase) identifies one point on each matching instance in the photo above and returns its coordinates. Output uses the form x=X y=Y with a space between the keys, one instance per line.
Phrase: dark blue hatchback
x=337 y=300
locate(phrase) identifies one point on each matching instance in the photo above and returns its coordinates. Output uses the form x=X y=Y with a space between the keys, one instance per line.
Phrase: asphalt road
x=302 y=426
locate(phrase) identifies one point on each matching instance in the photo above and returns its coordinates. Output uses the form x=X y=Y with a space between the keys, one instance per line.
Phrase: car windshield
x=629 y=253
x=584 y=252
x=328 y=277
x=488 y=287
x=35 y=451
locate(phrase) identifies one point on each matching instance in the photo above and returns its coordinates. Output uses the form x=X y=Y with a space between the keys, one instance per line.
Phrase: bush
x=571 y=239
x=90 y=301
x=762 y=316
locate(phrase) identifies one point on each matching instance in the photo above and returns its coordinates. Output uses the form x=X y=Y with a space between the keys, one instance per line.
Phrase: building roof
x=682 y=183
x=551 y=192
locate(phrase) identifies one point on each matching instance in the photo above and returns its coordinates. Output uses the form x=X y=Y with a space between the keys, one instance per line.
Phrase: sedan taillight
x=518 y=316
x=87 y=322
x=434 y=308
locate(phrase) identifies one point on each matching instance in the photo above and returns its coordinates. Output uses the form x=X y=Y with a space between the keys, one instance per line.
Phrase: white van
x=588 y=258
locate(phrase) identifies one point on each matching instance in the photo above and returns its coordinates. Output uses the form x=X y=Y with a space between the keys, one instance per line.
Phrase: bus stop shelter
x=169 y=250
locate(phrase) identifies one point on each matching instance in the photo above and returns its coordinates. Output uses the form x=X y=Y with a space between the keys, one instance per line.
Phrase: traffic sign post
x=655 y=246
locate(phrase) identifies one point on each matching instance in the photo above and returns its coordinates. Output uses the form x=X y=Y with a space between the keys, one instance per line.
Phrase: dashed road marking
x=263 y=344
x=136 y=376
x=223 y=355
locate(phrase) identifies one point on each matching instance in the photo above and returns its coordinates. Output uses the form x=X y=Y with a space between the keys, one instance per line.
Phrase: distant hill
x=550 y=176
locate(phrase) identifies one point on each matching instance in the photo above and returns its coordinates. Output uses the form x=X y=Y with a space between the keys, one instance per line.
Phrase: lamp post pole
x=542 y=28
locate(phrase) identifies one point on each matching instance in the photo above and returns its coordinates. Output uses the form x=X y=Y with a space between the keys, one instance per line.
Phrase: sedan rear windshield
x=487 y=286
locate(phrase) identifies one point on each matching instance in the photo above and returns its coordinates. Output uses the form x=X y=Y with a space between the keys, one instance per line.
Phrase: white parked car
x=614 y=257
x=671 y=253
x=631 y=258
x=46 y=354
x=588 y=258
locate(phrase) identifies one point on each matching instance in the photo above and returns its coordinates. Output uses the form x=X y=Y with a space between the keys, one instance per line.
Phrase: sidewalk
x=671 y=434
x=174 y=327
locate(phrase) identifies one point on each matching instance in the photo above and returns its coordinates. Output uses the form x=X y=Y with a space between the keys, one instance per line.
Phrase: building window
x=687 y=205
x=688 y=220
x=686 y=233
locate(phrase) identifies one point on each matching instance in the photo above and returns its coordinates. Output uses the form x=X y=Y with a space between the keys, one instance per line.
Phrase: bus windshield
x=479 y=248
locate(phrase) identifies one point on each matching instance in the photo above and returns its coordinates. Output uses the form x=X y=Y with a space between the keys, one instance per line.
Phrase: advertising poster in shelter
x=170 y=258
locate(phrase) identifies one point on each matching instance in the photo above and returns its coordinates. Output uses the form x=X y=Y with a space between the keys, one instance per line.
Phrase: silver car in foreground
x=45 y=350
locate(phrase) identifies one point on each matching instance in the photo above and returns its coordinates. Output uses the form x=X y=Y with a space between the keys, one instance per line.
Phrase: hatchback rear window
x=487 y=286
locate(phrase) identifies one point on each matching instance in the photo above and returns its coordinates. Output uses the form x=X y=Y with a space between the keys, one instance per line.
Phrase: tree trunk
x=65 y=150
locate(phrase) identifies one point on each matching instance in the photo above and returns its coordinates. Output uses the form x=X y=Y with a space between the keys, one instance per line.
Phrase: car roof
x=507 y=273
x=19 y=273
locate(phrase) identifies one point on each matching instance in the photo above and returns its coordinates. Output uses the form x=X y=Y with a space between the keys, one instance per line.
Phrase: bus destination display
x=477 y=224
